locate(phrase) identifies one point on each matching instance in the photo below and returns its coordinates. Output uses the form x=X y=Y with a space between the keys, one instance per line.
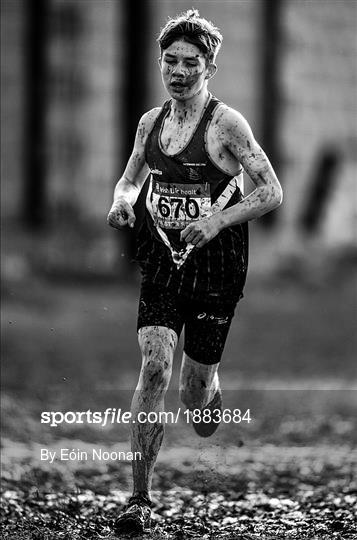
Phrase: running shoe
x=136 y=516
x=206 y=429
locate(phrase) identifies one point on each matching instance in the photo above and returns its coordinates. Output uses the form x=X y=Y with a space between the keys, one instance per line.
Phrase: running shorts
x=206 y=325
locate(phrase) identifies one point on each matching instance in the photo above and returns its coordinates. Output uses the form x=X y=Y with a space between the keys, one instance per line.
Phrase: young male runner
x=193 y=245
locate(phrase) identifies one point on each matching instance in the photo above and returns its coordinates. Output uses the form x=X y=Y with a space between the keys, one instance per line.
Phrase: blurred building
x=76 y=75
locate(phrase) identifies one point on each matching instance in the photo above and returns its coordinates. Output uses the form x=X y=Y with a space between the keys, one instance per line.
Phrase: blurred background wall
x=76 y=75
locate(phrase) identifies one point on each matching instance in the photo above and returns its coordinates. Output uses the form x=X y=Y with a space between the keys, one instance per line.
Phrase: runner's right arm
x=128 y=187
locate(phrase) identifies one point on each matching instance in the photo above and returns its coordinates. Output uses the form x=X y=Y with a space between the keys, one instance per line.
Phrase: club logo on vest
x=194 y=175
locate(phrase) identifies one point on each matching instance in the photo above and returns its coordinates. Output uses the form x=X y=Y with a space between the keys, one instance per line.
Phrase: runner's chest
x=175 y=135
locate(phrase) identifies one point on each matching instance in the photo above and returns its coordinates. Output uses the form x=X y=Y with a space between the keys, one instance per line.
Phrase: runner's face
x=184 y=70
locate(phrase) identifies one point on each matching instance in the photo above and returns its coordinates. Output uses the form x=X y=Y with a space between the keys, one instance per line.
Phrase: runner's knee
x=157 y=346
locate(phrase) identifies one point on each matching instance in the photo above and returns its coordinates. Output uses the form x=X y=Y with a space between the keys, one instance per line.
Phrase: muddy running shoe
x=206 y=429
x=136 y=516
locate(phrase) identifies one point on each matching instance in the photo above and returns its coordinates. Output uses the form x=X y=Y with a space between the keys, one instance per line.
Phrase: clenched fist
x=121 y=214
x=202 y=231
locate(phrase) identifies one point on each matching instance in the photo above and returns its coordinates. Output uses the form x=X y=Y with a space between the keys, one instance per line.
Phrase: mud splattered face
x=184 y=70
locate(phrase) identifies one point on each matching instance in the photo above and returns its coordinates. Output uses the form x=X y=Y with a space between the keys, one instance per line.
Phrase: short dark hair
x=192 y=28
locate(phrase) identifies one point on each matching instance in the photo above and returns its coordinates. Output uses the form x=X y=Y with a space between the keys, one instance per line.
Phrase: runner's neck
x=183 y=111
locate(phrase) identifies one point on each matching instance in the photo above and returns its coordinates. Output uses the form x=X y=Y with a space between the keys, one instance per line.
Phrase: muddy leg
x=157 y=344
x=198 y=383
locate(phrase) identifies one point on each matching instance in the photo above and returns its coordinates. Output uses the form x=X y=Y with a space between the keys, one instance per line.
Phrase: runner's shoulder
x=148 y=119
x=231 y=122
x=145 y=125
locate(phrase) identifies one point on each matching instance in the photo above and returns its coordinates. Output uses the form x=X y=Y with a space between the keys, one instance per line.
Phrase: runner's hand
x=200 y=232
x=121 y=214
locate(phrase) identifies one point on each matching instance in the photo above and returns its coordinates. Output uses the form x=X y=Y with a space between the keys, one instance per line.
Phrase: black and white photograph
x=178 y=269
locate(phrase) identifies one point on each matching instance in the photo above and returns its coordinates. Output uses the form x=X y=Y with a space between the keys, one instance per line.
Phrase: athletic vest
x=186 y=186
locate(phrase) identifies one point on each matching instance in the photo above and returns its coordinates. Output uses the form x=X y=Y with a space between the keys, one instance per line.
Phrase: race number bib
x=176 y=205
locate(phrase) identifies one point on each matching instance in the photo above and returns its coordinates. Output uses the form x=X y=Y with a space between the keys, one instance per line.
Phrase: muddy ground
x=289 y=473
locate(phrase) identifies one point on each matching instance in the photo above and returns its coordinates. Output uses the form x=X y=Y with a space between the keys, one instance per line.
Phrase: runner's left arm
x=238 y=139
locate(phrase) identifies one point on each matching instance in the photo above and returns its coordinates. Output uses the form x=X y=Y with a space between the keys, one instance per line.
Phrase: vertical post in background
x=136 y=45
x=271 y=91
x=322 y=182
x=68 y=88
x=34 y=199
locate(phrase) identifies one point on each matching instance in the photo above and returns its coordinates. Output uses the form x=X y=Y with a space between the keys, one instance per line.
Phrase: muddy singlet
x=186 y=186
